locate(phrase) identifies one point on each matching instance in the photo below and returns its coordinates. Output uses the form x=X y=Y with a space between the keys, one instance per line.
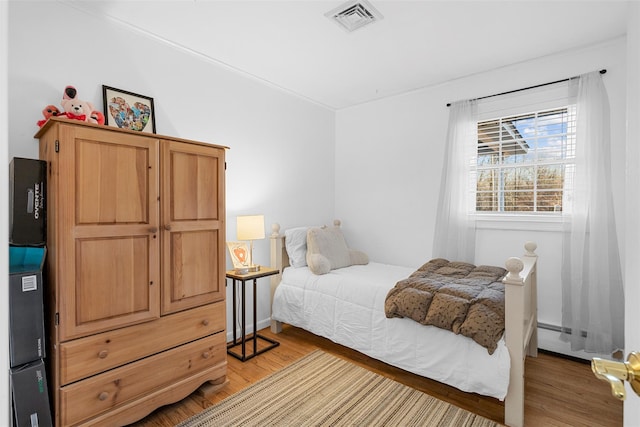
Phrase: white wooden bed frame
x=521 y=320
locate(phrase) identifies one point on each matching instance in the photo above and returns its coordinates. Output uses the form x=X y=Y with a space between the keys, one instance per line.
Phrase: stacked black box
x=27 y=251
x=26 y=309
x=30 y=395
x=27 y=190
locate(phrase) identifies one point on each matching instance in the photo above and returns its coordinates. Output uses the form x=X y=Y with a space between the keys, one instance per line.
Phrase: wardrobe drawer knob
x=103 y=396
x=205 y=322
x=206 y=355
x=103 y=354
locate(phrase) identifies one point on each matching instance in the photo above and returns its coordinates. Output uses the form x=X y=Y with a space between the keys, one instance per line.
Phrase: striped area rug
x=324 y=390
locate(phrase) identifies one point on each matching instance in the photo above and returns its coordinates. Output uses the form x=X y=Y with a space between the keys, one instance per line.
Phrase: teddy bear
x=77 y=109
x=72 y=106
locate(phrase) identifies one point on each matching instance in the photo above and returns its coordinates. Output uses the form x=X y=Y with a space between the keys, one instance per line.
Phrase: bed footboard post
x=277 y=246
x=520 y=328
x=533 y=292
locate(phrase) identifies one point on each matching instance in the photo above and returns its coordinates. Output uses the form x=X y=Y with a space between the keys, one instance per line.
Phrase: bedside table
x=243 y=340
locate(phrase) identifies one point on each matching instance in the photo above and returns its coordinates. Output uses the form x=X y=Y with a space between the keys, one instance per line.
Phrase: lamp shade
x=250 y=227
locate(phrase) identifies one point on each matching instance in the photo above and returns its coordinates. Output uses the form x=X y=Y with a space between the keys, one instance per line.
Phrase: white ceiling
x=292 y=45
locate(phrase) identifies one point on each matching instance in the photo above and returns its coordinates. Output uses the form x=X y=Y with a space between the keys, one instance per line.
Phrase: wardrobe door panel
x=109 y=232
x=193 y=225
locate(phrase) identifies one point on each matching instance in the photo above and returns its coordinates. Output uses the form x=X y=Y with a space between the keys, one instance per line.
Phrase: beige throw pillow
x=327 y=250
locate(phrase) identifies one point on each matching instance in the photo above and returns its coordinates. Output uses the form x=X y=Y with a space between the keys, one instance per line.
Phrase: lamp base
x=247 y=270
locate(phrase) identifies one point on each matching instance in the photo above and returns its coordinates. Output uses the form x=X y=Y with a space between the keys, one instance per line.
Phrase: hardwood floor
x=559 y=391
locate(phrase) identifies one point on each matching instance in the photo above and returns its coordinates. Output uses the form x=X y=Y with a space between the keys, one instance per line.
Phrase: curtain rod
x=526 y=88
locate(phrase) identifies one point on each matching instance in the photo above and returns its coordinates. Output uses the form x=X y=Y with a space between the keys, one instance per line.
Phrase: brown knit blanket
x=456 y=296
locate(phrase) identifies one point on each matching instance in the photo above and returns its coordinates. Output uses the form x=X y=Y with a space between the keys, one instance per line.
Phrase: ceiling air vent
x=354 y=14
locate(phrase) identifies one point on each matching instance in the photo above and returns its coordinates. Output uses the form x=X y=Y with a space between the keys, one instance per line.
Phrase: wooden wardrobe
x=134 y=271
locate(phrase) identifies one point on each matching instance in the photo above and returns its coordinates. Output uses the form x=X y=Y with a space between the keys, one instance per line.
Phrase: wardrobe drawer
x=88 y=356
x=90 y=397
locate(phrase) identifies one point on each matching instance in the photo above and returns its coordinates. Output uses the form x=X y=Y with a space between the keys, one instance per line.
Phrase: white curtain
x=455 y=233
x=592 y=287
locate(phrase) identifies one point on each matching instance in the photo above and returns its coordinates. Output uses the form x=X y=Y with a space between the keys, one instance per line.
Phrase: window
x=522 y=161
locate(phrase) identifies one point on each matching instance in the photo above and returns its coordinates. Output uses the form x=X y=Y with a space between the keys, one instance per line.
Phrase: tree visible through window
x=523 y=161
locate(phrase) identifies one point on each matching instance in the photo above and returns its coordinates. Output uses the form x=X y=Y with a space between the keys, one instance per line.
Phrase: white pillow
x=295 y=241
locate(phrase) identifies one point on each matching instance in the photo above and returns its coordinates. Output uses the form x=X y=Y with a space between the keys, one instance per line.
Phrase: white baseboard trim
x=265 y=323
x=550 y=340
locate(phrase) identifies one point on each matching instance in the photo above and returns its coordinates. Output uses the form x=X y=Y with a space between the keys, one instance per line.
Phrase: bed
x=347 y=306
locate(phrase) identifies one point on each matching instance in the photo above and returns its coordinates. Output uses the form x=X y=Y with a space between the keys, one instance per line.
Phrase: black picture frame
x=128 y=110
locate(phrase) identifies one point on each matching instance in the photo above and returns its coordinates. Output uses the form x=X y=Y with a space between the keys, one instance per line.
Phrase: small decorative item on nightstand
x=239 y=252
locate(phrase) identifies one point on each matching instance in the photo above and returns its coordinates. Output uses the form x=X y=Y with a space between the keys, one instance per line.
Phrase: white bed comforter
x=347 y=307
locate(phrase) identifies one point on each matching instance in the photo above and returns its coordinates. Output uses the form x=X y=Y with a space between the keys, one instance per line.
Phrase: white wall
x=389 y=157
x=194 y=99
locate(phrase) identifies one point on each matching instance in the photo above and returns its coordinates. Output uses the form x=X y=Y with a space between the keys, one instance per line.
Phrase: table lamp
x=250 y=227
